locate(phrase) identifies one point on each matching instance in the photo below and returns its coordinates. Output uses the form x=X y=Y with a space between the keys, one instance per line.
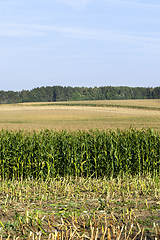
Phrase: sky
x=79 y=43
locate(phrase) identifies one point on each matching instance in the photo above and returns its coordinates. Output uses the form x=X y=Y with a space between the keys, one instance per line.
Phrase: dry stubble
x=33 y=117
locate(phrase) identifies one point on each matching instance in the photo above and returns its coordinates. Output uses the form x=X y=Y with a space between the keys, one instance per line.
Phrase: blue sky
x=79 y=43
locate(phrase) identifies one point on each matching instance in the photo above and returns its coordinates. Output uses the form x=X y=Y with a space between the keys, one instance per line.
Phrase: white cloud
x=80 y=4
x=11 y=3
x=134 y=3
x=18 y=30
x=29 y=30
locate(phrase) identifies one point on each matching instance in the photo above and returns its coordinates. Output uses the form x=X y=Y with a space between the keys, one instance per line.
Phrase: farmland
x=92 y=115
x=80 y=208
x=68 y=173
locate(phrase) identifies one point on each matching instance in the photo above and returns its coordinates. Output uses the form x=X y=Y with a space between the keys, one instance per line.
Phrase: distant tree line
x=59 y=93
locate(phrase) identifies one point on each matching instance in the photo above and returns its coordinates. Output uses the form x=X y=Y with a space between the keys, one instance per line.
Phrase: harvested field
x=122 y=208
x=33 y=116
x=67 y=208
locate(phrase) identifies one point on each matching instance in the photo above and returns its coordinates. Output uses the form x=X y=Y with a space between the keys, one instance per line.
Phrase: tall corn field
x=93 y=153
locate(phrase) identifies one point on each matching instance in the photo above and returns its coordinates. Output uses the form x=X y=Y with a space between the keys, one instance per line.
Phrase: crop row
x=93 y=153
x=77 y=103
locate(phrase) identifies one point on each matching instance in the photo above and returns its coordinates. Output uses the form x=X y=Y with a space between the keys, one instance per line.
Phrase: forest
x=60 y=93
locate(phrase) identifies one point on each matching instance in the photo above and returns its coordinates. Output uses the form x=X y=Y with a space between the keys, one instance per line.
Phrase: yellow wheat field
x=33 y=116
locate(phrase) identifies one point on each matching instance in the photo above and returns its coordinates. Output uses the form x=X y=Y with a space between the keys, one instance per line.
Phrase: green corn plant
x=95 y=153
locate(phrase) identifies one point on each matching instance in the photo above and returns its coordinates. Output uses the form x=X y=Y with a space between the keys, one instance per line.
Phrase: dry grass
x=32 y=116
